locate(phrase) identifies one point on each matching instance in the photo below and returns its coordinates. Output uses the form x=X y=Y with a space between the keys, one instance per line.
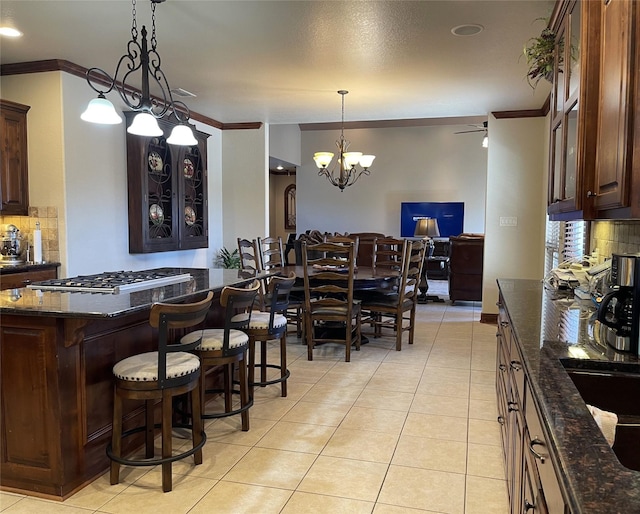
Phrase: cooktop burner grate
x=113 y=282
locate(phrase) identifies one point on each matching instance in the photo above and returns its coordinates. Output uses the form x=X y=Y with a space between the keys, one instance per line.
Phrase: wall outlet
x=508 y=221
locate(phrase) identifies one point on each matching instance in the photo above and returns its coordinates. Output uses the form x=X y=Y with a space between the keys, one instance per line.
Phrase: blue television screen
x=450 y=216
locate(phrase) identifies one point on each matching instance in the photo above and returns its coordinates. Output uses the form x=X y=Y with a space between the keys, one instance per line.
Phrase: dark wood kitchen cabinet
x=14 y=171
x=168 y=207
x=574 y=97
x=532 y=482
x=617 y=177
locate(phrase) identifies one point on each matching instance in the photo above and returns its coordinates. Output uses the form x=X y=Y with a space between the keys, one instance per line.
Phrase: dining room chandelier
x=345 y=172
x=147 y=61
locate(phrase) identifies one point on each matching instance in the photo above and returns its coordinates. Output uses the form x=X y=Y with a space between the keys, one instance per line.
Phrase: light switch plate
x=508 y=221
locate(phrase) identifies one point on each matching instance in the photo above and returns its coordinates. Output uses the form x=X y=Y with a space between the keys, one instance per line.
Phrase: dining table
x=365 y=278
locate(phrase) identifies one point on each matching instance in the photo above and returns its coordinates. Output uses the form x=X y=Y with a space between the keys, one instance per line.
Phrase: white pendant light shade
x=485 y=141
x=351 y=159
x=144 y=124
x=367 y=160
x=323 y=159
x=100 y=110
x=183 y=136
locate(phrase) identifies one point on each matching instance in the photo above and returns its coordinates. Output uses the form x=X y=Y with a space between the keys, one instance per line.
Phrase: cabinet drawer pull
x=513 y=406
x=501 y=420
x=528 y=506
x=591 y=194
x=502 y=367
x=537 y=455
x=26 y=281
x=516 y=365
x=504 y=323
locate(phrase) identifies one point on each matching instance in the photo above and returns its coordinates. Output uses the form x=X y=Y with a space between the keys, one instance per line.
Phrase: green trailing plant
x=540 y=55
x=227 y=259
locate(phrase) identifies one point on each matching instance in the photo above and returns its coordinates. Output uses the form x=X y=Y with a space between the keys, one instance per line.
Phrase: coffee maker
x=619 y=310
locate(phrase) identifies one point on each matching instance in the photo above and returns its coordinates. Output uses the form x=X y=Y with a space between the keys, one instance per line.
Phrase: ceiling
x=283 y=61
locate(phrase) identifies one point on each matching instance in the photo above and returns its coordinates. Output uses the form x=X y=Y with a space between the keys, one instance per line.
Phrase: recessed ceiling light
x=468 y=29
x=10 y=32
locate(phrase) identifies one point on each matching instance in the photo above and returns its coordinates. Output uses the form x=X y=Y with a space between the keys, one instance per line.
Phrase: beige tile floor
x=388 y=433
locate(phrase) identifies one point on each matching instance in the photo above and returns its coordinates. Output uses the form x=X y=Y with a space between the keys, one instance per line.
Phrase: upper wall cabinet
x=594 y=170
x=14 y=171
x=573 y=114
x=617 y=178
x=168 y=207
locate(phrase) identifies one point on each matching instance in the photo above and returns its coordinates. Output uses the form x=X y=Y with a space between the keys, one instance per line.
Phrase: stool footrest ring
x=154 y=461
x=275 y=380
x=217 y=415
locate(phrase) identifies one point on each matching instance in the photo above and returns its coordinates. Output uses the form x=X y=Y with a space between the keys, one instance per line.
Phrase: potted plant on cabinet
x=540 y=55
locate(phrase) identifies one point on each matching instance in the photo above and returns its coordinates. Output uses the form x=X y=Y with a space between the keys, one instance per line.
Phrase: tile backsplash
x=48 y=218
x=615 y=237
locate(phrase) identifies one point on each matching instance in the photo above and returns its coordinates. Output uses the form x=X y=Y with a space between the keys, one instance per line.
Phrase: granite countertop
x=33 y=302
x=6 y=269
x=553 y=329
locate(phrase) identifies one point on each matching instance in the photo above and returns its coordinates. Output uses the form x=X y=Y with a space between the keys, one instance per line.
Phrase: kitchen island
x=57 y=350
x=552 y=335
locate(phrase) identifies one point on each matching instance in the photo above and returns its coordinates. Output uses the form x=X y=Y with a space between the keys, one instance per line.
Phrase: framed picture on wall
x=290 y=207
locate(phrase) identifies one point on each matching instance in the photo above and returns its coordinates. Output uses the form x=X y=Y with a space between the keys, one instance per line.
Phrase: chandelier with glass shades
x=344 y=172
x=147 y=61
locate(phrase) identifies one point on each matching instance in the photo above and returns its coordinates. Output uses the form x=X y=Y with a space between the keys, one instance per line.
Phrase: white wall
x=284 y=143
x=245 y=183
x=413 y=164
x=516 y=187
x=80 y=168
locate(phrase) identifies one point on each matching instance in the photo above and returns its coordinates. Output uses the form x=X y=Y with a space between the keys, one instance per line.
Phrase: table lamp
x=427 y=228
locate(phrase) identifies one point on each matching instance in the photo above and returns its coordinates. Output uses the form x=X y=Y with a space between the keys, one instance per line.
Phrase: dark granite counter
x=32 y=302
x=554 y=329
x=7 y=269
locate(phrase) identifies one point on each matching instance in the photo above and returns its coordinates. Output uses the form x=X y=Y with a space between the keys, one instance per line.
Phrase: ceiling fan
x=479 y=128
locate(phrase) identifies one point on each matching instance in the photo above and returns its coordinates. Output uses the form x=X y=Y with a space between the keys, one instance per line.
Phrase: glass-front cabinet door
x=167 y=192
x=571 y=145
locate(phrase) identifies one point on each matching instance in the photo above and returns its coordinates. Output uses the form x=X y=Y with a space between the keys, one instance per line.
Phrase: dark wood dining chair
x=271 y=252
x=345 y=239
x=161 y=375
x=226 y=347
x=331 y=315
x=397 y=311
x=249 y=255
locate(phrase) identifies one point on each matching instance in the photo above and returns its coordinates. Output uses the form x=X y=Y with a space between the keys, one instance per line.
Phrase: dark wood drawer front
x=17 y=280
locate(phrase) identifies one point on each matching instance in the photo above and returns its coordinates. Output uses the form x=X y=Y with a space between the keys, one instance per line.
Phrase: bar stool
x=160 y=375
x=226 y=347
x=268 y=326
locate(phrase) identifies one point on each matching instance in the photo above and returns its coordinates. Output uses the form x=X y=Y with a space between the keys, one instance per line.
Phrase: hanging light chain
x=153 y=26
x=134 y=23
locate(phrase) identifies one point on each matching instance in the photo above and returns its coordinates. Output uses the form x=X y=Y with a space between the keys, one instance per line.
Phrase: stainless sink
x=617 y=392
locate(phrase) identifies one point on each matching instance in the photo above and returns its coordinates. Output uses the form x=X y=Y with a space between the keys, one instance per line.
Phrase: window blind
x=565 y=240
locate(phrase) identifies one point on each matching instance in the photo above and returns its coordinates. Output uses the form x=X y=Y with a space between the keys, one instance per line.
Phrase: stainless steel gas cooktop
x=113 y=282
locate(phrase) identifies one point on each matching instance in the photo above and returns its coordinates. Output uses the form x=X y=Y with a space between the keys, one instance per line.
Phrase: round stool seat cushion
x=144 y=366
x=260 y=320
x=212 y=339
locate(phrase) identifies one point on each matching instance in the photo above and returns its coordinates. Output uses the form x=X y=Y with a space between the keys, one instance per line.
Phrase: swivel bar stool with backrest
x=226 y=347
x=269 y=326
x=161 y=375
x=272 y=258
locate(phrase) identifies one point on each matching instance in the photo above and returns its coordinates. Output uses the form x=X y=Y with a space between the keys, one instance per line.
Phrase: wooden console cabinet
x=531 y=478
